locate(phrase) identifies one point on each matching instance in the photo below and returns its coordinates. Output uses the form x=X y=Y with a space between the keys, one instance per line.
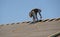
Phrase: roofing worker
x=33 y=13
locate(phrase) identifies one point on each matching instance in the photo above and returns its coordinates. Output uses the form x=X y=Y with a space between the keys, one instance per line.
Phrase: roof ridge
x=45 y=20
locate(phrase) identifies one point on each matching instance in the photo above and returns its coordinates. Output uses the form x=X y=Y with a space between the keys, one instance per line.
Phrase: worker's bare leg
x=34 y=17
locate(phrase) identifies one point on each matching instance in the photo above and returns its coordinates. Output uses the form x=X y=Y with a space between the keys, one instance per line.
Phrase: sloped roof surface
x=25 y=29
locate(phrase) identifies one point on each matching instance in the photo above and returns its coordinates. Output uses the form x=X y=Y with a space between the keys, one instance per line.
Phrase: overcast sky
x=18 y=10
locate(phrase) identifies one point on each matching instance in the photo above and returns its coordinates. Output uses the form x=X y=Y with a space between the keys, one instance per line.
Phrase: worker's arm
x=40 y=15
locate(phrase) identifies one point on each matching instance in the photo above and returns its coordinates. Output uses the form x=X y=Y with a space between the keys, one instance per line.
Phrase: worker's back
x=34 y=11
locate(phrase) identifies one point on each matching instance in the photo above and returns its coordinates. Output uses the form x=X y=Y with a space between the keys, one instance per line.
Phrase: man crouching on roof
x=33 y=13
